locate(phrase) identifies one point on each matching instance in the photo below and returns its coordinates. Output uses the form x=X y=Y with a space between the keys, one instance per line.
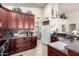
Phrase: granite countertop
x=60 y=46
x=15 y=37
x=74 y=47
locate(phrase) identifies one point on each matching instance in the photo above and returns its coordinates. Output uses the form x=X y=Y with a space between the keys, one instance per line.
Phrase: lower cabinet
x=12 y=46
x=72 y=53
x=54 y=52
x=27 y=43
x=21 y=44
x=54 y=38
x=34 y=42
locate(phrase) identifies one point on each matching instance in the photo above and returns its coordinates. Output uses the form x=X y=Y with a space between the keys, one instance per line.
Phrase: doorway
x=39 y=29
x=72 y=27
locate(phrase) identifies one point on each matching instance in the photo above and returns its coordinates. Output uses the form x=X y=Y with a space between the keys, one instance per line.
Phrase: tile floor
x=40 y=50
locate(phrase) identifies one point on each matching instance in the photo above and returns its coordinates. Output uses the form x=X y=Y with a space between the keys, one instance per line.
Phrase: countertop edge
x=17 y=37
x=72 y=48
x=58 y=49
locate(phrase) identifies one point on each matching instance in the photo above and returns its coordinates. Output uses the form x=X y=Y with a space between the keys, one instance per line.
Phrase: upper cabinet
x=0 y=14
x=20 y=21
x=26 y=22
x=0 y=19
x=5 y=16
x=15 y=20
x=31 y=22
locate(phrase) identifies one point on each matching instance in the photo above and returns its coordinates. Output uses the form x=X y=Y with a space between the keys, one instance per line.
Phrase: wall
x=62 y=22
x=55 y=23
x=47 y=15
x=73 y=18
x=47 y=10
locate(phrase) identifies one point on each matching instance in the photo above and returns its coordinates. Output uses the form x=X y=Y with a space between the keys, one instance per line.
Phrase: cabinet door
x=4 y=18
x=0 y=19
x=20 y=21
x=12 y=45
x=13 y=20
x=19 y=44
x=8 y=19
x=31 y=22
x=27 y=42
x=26 y=22
x=34 y=42
x=0 y=13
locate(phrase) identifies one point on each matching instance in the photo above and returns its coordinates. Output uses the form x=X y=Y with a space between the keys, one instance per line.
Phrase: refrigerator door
x=45 y=34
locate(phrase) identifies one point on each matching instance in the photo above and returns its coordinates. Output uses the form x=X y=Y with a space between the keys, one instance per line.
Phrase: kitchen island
x=73 y=49
x=57 y=49
x=68 y=48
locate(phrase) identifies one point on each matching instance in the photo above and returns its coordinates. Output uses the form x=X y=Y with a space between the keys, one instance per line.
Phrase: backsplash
x=11 y=33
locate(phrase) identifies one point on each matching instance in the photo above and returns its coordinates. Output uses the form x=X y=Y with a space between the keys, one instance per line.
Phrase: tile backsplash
x=10 y=33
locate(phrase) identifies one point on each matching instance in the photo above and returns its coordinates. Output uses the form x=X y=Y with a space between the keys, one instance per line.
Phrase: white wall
x=47 y=10
x=47 y=13
x=62 y=22
x=73 y=18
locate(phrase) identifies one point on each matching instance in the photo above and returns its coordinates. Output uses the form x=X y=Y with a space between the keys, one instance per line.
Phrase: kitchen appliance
x=45 y=34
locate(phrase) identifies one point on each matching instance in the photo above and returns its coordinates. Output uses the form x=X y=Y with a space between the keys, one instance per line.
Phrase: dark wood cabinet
x=20 y=21
x=34 y=42
x=5 y=18
x=28 y=41
x=0 y=14
x=21 y=44
x=12 y=46
x=13 y=21
x=31 y=22
x=26 y=22
x=54 y=38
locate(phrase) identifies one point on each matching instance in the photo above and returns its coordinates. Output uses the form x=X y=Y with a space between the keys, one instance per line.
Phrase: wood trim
x=46 y=22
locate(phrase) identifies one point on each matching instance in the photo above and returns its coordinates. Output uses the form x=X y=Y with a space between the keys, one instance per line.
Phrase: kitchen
x=16 y=31
x=29 y=29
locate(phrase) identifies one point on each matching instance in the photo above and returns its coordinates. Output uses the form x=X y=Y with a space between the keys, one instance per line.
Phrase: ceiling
x=39 y=5
x=68 y=7
x=65 y=7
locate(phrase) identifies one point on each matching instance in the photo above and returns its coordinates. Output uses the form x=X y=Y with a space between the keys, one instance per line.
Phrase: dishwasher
x=3 y=47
